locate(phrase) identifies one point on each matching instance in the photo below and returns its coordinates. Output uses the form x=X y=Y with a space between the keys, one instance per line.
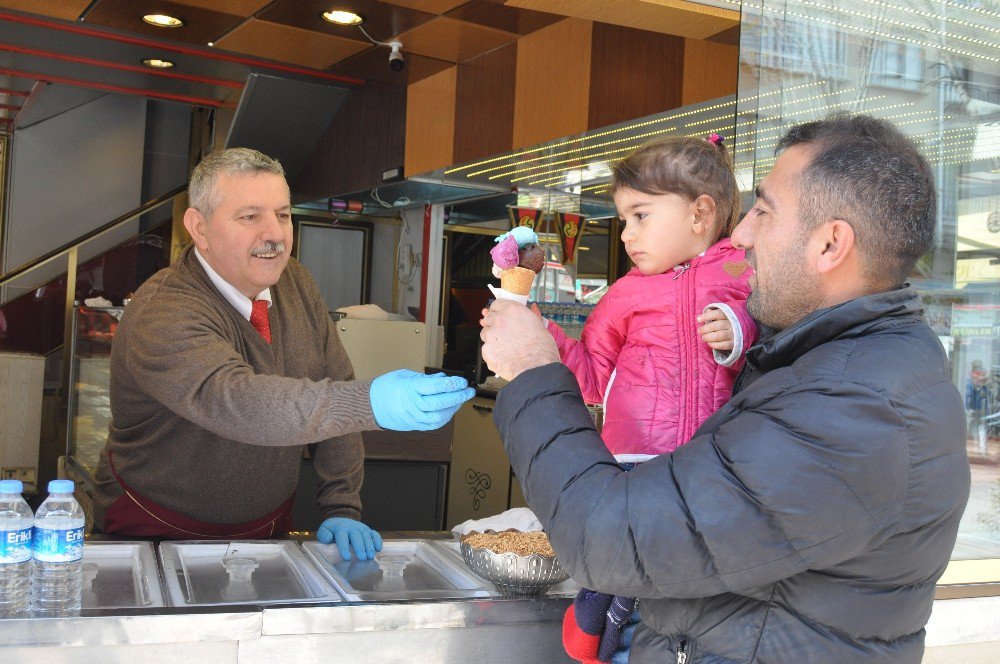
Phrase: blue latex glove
x=405 y=400
x=348 y=534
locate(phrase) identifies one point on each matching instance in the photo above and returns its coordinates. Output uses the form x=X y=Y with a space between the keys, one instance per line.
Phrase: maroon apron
x=135 y=515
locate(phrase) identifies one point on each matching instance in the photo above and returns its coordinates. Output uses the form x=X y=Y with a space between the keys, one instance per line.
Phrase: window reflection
x=932 y=69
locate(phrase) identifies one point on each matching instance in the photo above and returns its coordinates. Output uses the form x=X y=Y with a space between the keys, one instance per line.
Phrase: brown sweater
x=209 y=420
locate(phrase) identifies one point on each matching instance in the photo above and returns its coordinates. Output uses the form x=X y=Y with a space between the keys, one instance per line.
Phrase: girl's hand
x=716 y=330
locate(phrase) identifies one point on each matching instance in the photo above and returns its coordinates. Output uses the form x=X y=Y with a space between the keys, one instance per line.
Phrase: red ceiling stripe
x=115 y=65
x=9 y=107
x=187 y=99
x=210 y=54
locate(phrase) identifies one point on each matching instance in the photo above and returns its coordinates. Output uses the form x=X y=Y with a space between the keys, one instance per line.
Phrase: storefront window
x=933 y=69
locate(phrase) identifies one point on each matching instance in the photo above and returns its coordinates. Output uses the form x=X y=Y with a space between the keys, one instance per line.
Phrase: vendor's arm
x=757 y=501
x=188 y=364
x=183 y=358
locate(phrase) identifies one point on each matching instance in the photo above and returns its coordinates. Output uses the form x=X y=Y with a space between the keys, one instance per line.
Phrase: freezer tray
x=120 y=575
x=403 y=569
x=247 y=572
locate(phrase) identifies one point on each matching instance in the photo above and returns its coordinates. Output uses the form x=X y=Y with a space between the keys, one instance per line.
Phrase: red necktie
x=258 y=318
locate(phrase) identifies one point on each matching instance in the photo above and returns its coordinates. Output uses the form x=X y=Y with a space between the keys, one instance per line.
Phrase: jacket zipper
x=689 y=361
x=682 y=651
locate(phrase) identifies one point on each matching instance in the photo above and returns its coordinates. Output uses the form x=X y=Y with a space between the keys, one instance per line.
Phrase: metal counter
x=450 y=629
x=485 y=630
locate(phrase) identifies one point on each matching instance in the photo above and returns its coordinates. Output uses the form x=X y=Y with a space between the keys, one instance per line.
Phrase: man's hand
x=405 y=400
x=515 y=339
x=348 y=533
x=716 y=330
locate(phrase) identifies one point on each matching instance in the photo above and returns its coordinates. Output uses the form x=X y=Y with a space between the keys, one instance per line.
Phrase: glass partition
x=933 y=69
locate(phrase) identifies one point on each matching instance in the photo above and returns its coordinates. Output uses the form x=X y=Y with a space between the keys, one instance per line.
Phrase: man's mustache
x=268 y=248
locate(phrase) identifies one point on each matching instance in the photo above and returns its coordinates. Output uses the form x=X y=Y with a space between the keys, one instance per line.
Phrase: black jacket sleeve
x=766 y=489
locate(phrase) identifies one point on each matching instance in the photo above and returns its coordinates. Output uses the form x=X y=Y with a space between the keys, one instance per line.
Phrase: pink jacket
x=641 y=356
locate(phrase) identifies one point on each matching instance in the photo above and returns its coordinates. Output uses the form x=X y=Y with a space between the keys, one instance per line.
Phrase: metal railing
x=71 y=251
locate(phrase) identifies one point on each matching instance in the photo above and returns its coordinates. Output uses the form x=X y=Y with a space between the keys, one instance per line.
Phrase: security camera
x=396 y=61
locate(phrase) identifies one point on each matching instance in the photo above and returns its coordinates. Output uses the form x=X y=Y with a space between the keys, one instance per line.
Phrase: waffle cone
x=517 y=280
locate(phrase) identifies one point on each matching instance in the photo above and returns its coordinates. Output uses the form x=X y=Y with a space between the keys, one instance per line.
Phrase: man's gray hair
x=202 y=192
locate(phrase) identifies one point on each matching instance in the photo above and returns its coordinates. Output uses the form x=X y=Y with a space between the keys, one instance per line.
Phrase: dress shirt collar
x=241 y=302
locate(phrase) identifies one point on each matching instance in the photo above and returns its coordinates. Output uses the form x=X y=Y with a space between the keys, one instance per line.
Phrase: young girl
x=662 y=348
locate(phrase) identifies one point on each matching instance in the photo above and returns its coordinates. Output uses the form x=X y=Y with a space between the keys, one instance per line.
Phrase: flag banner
x=521 y=216
x=571 y=227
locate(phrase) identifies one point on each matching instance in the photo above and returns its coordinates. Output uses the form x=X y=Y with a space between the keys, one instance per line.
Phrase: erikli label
x=58 y=545
x=15 y=545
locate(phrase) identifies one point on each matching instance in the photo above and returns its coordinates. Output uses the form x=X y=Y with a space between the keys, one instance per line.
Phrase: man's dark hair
x=866 y=172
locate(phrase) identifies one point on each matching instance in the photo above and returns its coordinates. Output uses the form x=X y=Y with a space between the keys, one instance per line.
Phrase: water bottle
x=15 y=549
x=57 y=575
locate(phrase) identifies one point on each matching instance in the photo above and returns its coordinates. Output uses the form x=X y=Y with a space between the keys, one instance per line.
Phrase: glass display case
x=89 y=403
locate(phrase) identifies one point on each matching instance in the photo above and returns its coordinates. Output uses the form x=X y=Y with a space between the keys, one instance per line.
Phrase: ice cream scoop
x=521 y=234
x=505 y=254
x=532 y=257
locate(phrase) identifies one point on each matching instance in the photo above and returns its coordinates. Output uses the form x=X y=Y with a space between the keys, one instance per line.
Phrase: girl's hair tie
x=715 y=139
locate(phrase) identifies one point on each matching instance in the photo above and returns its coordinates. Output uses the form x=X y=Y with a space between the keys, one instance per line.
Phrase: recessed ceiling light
x=156 y=63
x=343 y=17
x=163 y=21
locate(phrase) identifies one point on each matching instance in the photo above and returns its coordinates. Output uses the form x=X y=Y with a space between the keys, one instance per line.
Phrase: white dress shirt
x=243 y=304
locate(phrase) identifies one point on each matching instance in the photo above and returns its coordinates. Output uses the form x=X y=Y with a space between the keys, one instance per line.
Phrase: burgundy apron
x=137 y=516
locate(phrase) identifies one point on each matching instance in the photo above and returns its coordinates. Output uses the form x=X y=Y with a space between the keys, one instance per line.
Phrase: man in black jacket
x=808 y=519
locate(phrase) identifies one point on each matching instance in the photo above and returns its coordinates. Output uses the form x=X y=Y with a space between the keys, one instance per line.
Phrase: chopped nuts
x=512 y=541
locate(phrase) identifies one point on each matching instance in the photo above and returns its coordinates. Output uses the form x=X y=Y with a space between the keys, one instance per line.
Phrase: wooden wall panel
x=710 y=70
x=634 y=73
x=552 y=89
x=430 y=122
x=364 y=140
x=484 y=106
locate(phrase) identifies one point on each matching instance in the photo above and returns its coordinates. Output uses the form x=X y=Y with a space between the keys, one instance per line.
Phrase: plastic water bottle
x=15 y=549
x=57 y=575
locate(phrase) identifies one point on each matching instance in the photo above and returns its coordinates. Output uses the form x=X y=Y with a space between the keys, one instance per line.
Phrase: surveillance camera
x=396 y=61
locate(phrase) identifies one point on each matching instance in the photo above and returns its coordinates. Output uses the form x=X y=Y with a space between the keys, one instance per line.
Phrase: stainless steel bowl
x=514 y=575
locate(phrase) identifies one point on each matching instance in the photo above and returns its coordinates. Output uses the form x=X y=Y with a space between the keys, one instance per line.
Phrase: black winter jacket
x=807 y=520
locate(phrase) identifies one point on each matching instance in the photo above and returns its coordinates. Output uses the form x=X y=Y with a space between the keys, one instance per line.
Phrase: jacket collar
x=841 y=321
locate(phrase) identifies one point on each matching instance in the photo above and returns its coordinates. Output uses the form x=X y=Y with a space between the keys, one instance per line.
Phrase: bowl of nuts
x=518 y=563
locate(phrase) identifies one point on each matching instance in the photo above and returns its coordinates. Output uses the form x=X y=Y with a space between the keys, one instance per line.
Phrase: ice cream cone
x=517 y=280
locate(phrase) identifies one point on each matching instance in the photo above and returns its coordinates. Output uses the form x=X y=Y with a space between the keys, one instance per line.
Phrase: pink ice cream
x=504 y=254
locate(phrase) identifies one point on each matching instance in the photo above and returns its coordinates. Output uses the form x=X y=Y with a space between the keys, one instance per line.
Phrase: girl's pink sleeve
x=592 y=359
x=748 y=326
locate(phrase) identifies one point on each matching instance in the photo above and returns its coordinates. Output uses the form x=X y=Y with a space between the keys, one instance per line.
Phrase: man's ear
x=703 y=208
x=194 y=222
x=835 y=243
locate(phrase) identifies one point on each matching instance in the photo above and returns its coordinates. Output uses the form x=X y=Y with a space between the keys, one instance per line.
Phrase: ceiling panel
x=373 y=65
x=285 y=43
x=238 y=7
x=452 y=40
x=430 y=6
x=201 y=26
x=382 y=21
x=64 y=9
x=502 y=17
x=672 y=17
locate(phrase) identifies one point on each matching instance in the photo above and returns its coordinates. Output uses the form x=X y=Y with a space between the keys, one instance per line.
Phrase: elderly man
x=225 y=365
x=808 y=519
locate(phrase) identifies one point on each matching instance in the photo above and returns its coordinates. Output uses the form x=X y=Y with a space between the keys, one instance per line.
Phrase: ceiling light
x=342 y=17
x=156 y=63
x=163 y=21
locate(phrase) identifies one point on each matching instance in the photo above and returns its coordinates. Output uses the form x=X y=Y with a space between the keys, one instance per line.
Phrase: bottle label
x=58 y=545
x=15 y=545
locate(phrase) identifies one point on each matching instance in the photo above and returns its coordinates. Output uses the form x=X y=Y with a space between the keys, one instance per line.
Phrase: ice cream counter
x=289 y=601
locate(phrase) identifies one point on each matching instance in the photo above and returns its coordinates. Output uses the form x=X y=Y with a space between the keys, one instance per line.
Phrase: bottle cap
x=61 y=486
x=11 y=486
